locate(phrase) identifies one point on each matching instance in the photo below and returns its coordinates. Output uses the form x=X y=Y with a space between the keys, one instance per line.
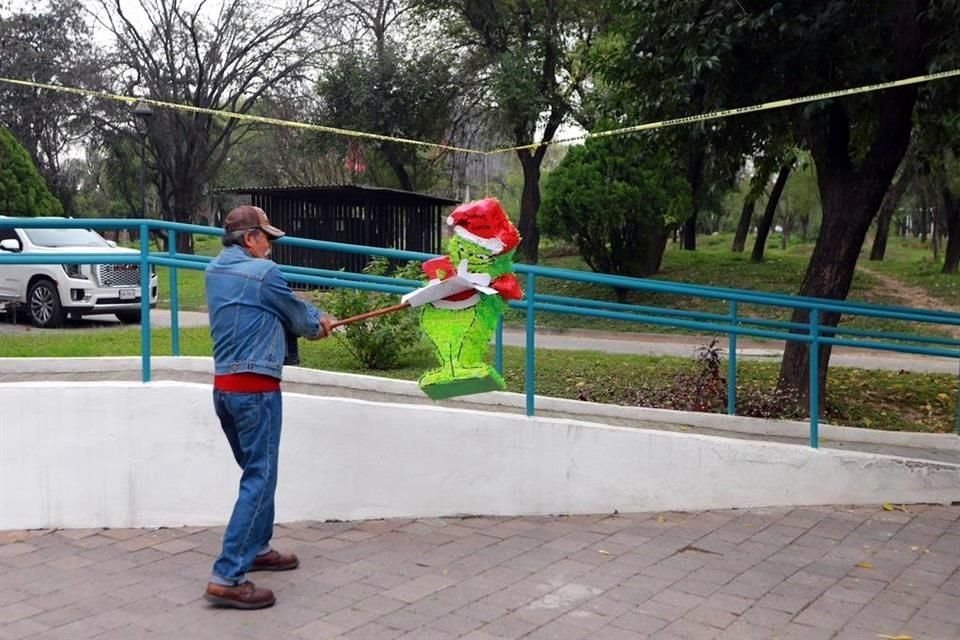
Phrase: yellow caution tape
x=237 y=116
x=724 y=113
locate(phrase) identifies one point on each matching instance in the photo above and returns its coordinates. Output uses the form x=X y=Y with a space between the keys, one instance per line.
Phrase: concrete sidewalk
x=684 y=346
x=807 y=573
x=656 y=344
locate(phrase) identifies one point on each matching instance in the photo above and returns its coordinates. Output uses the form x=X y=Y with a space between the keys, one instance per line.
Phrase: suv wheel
x=128 y=317
x=43 y=305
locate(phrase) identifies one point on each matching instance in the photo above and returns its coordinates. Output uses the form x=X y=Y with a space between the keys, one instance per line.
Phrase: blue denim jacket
x=251 y=310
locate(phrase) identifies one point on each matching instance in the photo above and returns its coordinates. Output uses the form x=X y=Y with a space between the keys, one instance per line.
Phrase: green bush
x=23 y=191
x=381 y=342
x=616 y=199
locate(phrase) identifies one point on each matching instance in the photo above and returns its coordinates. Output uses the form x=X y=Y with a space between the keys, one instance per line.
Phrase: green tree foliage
x=664 y=59
x=936 y=151
x=389 y=91
x=383 y=341
x=616 y=199
x=531 y=55
x=52 y=43
x=110 y=182
x=23 y=192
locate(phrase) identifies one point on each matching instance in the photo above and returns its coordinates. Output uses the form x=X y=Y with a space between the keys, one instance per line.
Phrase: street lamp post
x=142 y=112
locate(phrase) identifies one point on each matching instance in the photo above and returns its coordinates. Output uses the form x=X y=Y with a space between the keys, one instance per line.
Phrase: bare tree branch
x=230 y=58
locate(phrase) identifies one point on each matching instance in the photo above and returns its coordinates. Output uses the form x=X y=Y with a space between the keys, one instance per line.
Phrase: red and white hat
x=485 y=223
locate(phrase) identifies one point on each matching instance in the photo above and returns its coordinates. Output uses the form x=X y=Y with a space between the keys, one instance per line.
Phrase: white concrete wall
x=122 y=454
x=164 y=366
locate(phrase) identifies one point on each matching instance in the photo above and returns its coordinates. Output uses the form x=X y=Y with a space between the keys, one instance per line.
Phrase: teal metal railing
x=733 y=324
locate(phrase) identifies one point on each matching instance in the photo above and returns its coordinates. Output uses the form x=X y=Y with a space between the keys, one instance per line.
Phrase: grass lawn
x=713 y=264
x=189 y=282
x=190 y=290
x=873 y=399
x=912 y=262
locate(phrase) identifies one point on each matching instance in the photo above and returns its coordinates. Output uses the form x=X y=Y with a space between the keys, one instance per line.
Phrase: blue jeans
x=251 y=422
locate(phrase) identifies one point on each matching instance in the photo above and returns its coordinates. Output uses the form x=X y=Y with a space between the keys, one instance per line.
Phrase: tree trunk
x=689 y=232
x=935 y=233
x=746 y=220
x=184 y=243
x=183 y=207
x=637 y=260
x=846 y=219
x=879 y=248
x=661 y=249
x=403 y=176
x=529 y=206
x=951 y=215
x=763 y=229
x=399 y=170
x=887 y=209
x=695 y=178
x=829 y=275
x=806 y=227
x=924 y=221
x=851 y=195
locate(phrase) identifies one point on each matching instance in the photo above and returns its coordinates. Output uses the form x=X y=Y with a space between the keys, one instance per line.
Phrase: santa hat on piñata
x=485 y=223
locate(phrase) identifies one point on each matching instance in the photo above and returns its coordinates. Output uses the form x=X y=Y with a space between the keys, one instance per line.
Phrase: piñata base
x=448 y=388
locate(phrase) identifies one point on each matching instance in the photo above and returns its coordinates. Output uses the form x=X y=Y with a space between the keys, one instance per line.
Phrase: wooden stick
x=369 y=314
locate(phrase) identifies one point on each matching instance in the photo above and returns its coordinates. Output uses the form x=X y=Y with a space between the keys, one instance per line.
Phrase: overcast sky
x=135 y=13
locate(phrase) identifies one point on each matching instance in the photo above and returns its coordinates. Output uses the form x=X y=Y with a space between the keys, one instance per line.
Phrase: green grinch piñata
x=460 y=326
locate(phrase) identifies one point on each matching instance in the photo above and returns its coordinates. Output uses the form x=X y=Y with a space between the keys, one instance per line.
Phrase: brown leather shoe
x=243 y=596
x=273 y=560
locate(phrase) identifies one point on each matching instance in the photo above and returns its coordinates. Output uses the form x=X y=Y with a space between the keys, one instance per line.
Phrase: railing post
x=531 y=378
x=732 y=363
x=174 y=296
x=498 y=347
x=814 y=391
x=145 y=302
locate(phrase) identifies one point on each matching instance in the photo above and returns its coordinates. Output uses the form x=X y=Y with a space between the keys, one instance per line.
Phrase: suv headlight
x=73 y=271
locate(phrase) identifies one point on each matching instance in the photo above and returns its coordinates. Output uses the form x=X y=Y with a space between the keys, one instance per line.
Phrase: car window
x=8 y=233
x=65 y=238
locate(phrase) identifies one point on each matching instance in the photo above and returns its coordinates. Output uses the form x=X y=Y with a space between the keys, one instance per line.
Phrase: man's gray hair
x=235 y=238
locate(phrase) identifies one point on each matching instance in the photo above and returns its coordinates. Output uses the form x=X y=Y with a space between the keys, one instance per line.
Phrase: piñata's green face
x=479 y=260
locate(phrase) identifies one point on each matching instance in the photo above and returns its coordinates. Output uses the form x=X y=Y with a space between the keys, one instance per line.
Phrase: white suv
x=51 y=291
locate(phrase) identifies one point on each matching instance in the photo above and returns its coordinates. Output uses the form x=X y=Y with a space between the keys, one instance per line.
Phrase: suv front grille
x=118 y=275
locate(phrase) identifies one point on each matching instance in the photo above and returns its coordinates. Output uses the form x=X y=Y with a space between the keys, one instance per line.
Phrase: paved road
x=627 y=343
x=811 y=574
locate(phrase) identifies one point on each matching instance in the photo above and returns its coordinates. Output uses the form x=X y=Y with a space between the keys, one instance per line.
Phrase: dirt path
x=911 y=296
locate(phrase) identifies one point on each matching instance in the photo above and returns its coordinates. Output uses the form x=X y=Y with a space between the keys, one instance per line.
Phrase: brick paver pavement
x=811 y=573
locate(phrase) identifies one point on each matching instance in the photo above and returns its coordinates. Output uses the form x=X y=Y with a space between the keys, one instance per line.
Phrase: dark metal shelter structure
x=351 y=214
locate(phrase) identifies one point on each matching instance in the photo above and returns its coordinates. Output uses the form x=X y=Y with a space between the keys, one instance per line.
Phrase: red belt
x=245 y=383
